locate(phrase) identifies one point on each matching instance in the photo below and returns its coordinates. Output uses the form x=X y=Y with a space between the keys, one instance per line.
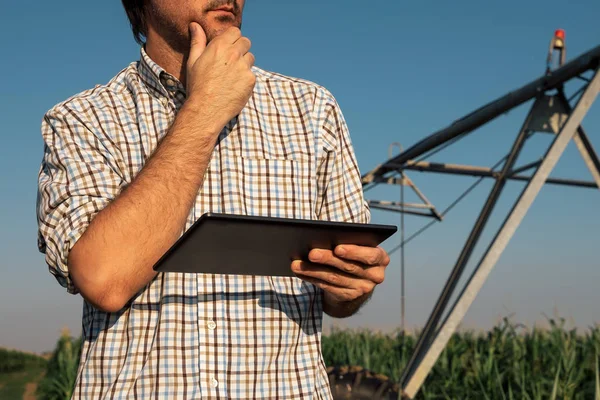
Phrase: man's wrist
x=197 y=111
x=343 y=309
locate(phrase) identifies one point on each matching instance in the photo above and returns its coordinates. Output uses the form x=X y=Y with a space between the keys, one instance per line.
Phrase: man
x=128 y=166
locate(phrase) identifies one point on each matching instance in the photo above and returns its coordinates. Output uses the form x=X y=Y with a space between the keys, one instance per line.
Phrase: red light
x=560 y=33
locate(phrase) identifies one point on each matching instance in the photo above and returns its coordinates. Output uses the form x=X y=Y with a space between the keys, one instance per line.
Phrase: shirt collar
x=156 y=78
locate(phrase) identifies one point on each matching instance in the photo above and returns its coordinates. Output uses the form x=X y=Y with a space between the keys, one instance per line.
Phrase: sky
x=400 y=71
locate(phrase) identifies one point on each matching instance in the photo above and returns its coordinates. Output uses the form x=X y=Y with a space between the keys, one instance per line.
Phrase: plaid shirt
x=192 y=336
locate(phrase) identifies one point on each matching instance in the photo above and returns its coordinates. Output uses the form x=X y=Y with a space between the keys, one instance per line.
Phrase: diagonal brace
x=413 y=382
x=590 y=157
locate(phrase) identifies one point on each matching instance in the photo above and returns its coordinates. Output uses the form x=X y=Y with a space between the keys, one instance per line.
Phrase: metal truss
x=551 y=113
x=424 y=209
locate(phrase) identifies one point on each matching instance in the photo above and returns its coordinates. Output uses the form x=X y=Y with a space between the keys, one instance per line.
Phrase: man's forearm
x=344 y=309
x=113 y=259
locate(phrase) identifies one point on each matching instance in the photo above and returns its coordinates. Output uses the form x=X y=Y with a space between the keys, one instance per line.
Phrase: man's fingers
x=327 y=257
x=331 y=279
x=366 y=255
x=231 y=35
x=197 y=42
x=373 y=273
x=325 y=273
x=242 y=45
x=249 y=59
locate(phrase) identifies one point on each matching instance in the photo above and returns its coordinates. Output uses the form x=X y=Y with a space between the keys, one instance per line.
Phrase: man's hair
x=135 y=10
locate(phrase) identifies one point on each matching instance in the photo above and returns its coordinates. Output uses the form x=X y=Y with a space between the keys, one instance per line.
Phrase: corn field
x=508 y=362
x=15 y=361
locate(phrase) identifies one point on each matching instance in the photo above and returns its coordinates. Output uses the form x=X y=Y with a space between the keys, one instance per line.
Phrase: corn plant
x=59 y=382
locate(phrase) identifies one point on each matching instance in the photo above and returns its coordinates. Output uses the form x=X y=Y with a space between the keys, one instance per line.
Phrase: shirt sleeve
x=76 y=180
x=339 y=181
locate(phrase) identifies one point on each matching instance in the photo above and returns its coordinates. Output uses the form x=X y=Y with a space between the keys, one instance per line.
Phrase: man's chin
x=218 y=26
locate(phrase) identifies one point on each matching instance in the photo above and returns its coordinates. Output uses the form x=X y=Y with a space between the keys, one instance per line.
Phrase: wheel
x=356 y=383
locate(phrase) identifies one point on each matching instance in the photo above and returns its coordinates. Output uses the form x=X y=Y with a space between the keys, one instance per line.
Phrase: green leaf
x=597 y=379
x=555 y=388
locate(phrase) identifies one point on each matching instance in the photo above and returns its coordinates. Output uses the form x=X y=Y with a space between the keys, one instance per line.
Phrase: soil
x=30 y=391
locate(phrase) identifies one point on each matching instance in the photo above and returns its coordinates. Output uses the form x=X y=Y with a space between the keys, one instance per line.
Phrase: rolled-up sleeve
x=77 y=179
x=338 y=176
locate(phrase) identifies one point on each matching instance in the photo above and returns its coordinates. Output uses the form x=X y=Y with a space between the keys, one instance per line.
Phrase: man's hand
x=348 y=275
x=219 y=78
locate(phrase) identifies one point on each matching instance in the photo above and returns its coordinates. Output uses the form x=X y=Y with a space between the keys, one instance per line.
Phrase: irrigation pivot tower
x=552 y=112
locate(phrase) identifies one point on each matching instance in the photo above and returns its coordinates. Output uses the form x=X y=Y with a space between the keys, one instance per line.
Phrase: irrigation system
x=552 y=112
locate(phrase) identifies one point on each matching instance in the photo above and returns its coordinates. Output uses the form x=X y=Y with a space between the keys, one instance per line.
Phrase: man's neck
x=165 y=56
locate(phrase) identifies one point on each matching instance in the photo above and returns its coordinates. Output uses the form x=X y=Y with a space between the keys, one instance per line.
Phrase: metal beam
x=525 y=167
x=585 y=147
x=400 y=204
x=485 y=172
x=392 y=180
x=384 y=207
x=588 y=154
x=416 y=377
x=581 y=64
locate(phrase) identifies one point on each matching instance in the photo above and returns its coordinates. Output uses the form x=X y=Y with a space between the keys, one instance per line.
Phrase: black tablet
x=249 y=245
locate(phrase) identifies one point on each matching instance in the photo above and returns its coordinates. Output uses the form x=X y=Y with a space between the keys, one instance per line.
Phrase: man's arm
x=113 y=258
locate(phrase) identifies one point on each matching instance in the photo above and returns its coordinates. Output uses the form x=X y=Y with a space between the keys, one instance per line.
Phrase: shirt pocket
x=271 y=187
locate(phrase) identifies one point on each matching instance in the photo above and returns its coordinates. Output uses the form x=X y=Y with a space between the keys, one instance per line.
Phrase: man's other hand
x=346 y=274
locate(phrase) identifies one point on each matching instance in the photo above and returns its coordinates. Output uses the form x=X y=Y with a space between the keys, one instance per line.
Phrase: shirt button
x=214 y=383
x=165 y=102
x=212 y=325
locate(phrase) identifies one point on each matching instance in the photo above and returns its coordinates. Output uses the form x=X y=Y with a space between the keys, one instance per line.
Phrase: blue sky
x=400 y=70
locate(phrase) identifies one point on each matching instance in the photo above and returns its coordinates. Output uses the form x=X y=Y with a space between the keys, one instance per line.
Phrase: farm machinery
x=552 y=112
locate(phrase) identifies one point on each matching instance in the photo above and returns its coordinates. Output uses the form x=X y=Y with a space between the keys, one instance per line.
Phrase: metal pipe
x=402 y=260
x=525 y=167
x=400 y=204
x=577 y=66
x=484 y=172
x=409 y=212
x=392 y=180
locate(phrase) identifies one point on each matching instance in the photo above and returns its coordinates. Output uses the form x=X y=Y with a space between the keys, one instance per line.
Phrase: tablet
x=261 y=246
